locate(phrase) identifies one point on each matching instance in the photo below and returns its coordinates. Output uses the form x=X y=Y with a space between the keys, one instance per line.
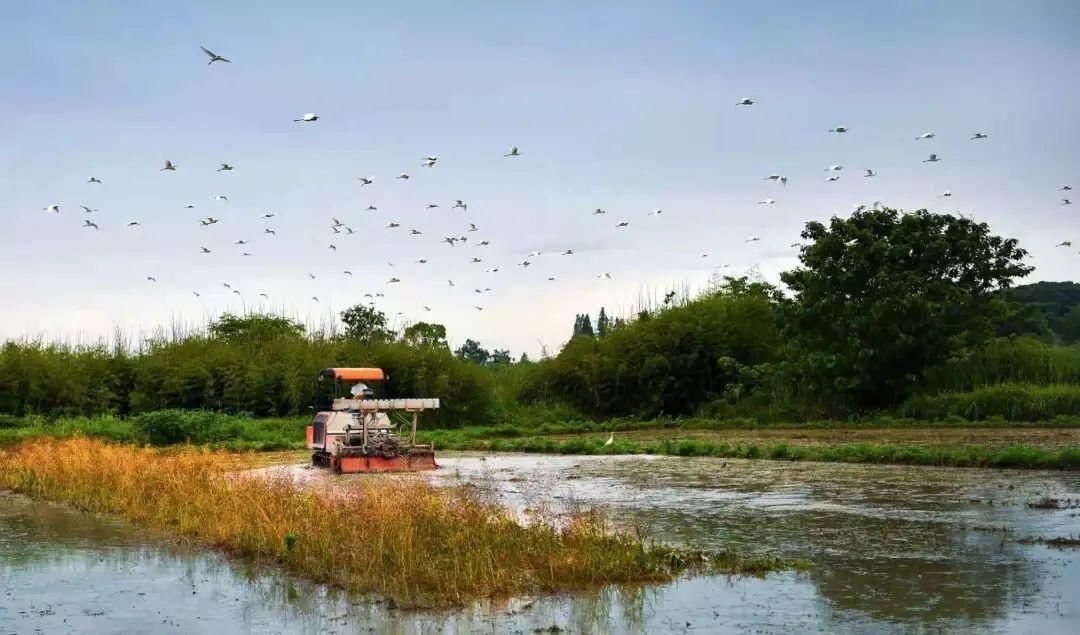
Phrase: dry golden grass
x=405 y=539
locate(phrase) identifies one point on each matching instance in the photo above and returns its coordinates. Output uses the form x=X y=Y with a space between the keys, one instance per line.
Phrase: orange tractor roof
x=354 y=374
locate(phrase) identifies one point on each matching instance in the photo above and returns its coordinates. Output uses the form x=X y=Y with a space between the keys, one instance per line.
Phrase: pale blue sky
x=626 y=106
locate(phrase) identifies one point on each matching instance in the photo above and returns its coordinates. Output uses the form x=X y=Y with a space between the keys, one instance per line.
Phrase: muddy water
x=893 y=549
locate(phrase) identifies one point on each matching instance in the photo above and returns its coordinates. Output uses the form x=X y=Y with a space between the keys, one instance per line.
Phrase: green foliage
x=881 y=297
x=365 y=324
x=1070 y=326
x=679 y=358
x=1044 y=308
x=472 y=351
x=425 y=334
x=271 y=377
x=1013 y=402
x=1019 y=360
x=254 y=327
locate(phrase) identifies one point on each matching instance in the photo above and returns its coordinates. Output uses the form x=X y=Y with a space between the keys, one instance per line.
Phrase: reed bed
x=401 y=538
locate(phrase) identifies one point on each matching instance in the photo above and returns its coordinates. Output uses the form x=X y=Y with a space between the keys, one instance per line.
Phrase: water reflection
x=894 y=549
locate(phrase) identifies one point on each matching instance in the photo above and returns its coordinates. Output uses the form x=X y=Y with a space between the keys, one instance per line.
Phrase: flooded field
x=894 y=549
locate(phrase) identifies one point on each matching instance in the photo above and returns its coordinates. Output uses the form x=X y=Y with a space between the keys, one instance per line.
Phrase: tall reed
x=400 y=537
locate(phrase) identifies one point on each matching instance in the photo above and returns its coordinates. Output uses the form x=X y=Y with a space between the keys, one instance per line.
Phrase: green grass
x=1013 y=456
x=1013 y=402
x=236 y=432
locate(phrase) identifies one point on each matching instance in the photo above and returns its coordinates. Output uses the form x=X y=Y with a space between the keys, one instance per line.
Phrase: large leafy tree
x=366 y=324
x=472 y=351
x=882 y=296
x=426 y=334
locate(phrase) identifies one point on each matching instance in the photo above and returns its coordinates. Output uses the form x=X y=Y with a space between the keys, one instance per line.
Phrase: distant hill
x=1045 y=306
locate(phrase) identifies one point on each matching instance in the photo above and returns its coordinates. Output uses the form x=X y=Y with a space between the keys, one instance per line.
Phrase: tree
x=524 y=359
x=254 y=327
x=583 y=325
x=880 y=297
x=426 y=334
x=365 y=323
x=473 y=352
x=1070 y=326
x=1041 y=309
x=603 y=325
x=499 y=357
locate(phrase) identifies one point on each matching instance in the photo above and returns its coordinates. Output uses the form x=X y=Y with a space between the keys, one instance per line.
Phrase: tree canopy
x=881 y=296
x=254 y=327
x=365 y=324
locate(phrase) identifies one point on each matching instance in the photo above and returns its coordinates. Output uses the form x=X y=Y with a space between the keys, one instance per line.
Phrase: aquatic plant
x=410 y=541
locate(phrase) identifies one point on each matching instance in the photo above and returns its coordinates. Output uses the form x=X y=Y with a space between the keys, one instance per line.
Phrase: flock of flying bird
x=339 y=227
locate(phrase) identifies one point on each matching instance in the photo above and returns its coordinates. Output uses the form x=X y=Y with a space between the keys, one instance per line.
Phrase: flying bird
x=93 y=179
x=568 y=252
x=834 y=168
x=393 y=281
x=599 y=211
x=204 y=250
x=270 y=232
x=1064 y=243
x=226 y=285
x=533 y=254
x=263 y=295
x=473 y=227
x=315 y=298
x=371 y=208
x=623 y=224
x=1066 y=201
x=240 y=242
x=833 y=178
x=946 y=193
x=450 y=240
x=483 y=243
x=133 y=223
x=655 y=212
x=476 y=260
x=348 y=273
x=88 y=223
x=222 y=198
x=431 y=206
x=869 y=173
x=414 y=232
x=745 y=101
x=311 y=275
x=451 y=282
x=492 y=270
x=151 y=278
x=392 y=225
x=307 y=117
x=168 y=166
x=1065 y=188
x=513 y=152
x=925 y=135
x=196 y=294
x=839 y=129
x=225 y=167
x=427 y=308
x=752 y=239
x=244 y=253
x=977 y=135
x=214 y=57
x=365 y=180
x=933 y=158
x=190 y=206
x=87 y=210
x=404 y=176
x=421 y=261
x=429 y=161
x=267 y=215
x=524 y=263
x=604 y=276
x=332 y=247
x=460 y=203
x=766 y=201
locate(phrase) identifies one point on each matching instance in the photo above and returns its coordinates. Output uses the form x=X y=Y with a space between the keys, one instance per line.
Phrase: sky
x=626 y=106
